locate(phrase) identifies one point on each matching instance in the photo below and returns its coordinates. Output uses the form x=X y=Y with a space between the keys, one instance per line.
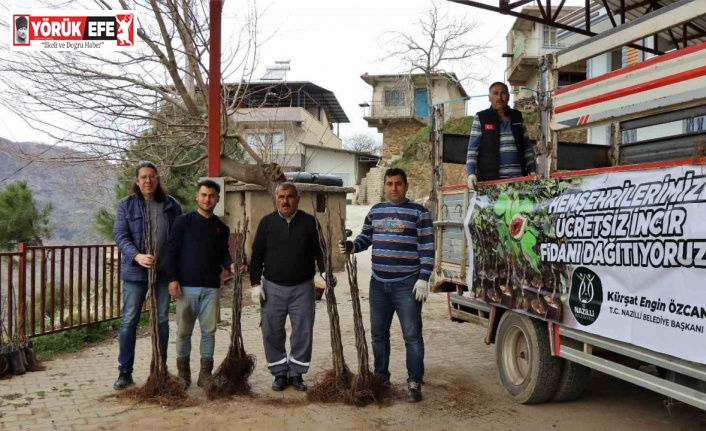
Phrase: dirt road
x=462 y=390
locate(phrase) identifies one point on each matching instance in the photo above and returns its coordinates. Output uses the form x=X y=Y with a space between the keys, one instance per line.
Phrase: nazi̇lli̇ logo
x=586 y=296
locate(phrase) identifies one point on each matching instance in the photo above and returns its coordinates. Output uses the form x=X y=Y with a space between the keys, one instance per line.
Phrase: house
x=292 y=124
x=528 y=41
x=400 y=106
x=351 y=166
x=276 y=118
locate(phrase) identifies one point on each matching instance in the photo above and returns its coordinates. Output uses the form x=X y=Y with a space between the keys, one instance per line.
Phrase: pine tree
x=20 y=219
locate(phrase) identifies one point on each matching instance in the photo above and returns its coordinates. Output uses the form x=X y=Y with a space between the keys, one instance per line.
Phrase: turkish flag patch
x=490 y=127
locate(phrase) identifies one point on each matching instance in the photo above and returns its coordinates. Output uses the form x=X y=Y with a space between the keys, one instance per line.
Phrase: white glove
x=345 y=247
x=333 y=279
x=471 y=181
x=257 y=294
x=421 y=290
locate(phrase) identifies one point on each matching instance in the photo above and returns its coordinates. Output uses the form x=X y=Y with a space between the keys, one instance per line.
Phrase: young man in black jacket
x=198 y=249
x=284 y=249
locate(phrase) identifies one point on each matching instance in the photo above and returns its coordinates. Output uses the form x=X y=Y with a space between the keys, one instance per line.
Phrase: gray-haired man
x=284 y=250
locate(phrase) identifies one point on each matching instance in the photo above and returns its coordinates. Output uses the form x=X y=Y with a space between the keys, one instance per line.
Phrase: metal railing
x=378 y=109
x=45 y=289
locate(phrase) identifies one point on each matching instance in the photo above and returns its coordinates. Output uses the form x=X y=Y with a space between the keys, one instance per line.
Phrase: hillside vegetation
x=416 y=159
x=76 y=190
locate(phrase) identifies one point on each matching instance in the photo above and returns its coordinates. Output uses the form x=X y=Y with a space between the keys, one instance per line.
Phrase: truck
x=599 y=261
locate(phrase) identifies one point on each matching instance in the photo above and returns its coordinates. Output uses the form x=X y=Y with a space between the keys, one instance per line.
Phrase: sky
x=333 y=42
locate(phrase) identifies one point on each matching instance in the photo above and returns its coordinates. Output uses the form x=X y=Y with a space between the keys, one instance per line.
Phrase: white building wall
x=313 y=132
x=332 y=162
x=597 y=66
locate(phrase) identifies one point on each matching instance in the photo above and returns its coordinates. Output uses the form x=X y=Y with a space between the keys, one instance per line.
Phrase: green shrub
x=73 y=340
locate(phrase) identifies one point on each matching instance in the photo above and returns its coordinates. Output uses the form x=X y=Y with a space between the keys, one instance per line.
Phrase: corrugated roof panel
x=634 y=9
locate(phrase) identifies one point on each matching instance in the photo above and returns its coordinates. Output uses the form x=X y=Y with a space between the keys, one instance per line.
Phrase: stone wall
x=371 y=187
x=394 y=136
x=375 y=185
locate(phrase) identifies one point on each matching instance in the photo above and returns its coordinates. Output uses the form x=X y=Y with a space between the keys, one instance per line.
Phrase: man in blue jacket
x=148 y=198
x=198 y=253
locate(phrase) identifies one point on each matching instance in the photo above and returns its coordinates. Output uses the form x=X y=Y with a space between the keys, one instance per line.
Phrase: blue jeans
x=386 y=299
x=134 y=295
x=201 y=303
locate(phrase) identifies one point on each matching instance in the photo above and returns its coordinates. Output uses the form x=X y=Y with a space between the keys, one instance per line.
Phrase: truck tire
x=573 y=381
x=527 y=370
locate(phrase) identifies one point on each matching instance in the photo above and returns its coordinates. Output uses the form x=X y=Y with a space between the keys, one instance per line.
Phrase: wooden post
x=21 y=291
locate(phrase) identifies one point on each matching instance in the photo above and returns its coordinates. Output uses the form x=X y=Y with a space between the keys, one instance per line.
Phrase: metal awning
x=618 y=11
x=301 y=94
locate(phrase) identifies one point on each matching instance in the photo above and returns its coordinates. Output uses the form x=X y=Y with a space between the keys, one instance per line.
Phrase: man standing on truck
x=402 y=237
x=499 y=146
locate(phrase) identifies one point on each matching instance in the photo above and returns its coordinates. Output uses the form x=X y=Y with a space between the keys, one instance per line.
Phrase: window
x=266 y=140
x=695 y=124
x=394 y=98
x=277 y=141
x=549 y=38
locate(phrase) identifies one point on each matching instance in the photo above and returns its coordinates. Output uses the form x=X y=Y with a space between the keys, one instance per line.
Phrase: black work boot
x=280 y=383
x=124 y=380
x=384 y=379
x=298 y=383
x=184 y=370
x=414 y=392
x=205 y=372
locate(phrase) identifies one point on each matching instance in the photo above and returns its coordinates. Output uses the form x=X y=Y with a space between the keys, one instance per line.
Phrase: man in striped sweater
x=499 y=146
x=402 y=238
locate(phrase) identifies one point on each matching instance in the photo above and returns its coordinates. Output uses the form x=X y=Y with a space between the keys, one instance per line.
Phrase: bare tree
x=104 y=103
x=440 y=40
x=362 y=142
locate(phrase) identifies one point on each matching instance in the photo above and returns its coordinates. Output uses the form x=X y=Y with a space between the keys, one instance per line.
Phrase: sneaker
x=124 y=380
x=280 y=383
x=298 y=383
x=414 y=392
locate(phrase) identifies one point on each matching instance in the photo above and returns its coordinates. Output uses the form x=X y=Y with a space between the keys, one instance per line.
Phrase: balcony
x=525 y=57
x=377 y=110
x=271 y=115
x=378 y=114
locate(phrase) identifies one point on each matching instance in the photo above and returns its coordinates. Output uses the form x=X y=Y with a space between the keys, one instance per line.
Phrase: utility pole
x=214 y=90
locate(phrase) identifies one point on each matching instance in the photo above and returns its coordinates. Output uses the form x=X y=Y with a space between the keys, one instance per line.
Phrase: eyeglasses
x=147 y=177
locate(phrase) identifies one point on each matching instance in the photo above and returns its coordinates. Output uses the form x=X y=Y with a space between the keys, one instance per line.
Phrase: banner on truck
x=619 y=254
